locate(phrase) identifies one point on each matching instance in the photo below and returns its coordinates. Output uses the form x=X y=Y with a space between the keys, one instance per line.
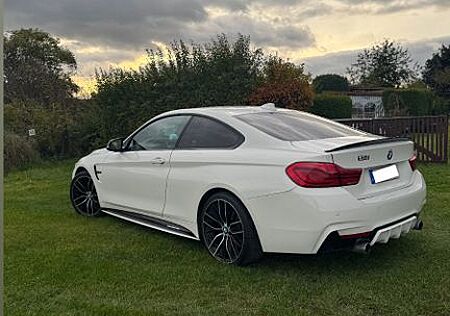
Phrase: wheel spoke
x=219 y=211
x=88 y=207
x=232 y=247
x=226 y=248
x=225 y=213
x=92 y=207
x=79 y=186
x=82 y=202
x=210 y=226
x=220 y=244
x=235 y=223
x=214 y=239
x=235 y=241
x=216 y=220
x=79 y=197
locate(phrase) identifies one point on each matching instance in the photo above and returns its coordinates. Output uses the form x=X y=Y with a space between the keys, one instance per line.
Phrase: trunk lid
x=370 y=153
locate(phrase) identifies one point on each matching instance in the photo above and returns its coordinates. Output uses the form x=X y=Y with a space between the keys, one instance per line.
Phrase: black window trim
x=191 y=116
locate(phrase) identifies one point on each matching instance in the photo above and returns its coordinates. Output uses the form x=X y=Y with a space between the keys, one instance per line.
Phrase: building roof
x=365 y=91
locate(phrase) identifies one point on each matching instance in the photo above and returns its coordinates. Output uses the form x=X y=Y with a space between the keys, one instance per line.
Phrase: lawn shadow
x=399 y=252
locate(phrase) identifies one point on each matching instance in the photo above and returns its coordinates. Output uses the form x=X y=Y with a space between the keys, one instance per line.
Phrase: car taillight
x=413 y=162
x=322 y=174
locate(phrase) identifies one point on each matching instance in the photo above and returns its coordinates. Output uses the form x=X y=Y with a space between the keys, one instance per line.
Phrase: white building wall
x=367 y=106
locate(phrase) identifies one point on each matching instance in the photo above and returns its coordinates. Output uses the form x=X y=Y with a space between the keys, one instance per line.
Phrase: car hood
x=98 y=152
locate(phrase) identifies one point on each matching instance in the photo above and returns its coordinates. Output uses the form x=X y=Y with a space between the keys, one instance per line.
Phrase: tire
x=227 y=230
x=84 y=196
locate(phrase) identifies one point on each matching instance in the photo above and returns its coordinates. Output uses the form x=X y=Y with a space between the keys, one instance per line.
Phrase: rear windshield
x=297 y=126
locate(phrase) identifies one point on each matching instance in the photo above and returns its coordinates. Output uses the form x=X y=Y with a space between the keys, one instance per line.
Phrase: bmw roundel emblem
x=390 y=154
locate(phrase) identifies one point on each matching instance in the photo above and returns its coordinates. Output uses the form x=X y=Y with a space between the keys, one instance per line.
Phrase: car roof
x=227 y=114
x=224 y=110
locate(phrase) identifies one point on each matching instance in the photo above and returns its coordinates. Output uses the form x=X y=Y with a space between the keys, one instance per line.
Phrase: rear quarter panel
x=246 y=172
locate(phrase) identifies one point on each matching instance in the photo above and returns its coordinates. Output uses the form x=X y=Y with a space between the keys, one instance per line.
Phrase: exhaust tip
x=418 y=225
x=362 y=246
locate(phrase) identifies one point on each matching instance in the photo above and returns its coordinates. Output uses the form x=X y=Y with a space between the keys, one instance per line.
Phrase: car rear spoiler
x=370 y=142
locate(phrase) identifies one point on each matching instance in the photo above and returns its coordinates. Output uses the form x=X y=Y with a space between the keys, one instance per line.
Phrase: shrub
x=296 y=95
x=330 y=82
x=61 y=130
x=19 y=151
x=283 y=83
x=332 y=106
x=87 y=131
x=411 y=101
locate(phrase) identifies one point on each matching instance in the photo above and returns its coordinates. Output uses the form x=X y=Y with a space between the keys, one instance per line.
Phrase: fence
x=429 y=133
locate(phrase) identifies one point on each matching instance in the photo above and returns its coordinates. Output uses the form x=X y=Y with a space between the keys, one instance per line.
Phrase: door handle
x=158 y=161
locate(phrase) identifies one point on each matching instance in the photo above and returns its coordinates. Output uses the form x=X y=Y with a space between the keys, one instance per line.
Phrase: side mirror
x=115 y=144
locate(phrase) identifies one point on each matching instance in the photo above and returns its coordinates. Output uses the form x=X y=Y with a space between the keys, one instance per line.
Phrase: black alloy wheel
x=84 y=196
x=227 y=230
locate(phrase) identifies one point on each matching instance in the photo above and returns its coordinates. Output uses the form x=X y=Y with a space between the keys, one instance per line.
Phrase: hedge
x=332 y=106
x=412 y=101
x=19 y=151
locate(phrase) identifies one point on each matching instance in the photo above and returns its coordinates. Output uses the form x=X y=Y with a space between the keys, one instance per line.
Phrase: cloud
x=137 y=23
x=122 y=28
x=262 y=32
x=111 y=22
x=105 y=33
x=245 y=5
x=392 y=6
x=338 y=62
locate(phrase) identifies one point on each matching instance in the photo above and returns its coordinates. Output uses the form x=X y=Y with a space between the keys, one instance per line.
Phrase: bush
x=19 y=151
x=332 y=106
x=441 y=106
x=330 y=82
x=61 y=130
x=296 y=95
x=411 y=101
x=283 y=83
x=87 y=131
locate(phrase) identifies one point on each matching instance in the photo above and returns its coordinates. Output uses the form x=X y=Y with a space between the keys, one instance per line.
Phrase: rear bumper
x=381 y=234
x=299 y=221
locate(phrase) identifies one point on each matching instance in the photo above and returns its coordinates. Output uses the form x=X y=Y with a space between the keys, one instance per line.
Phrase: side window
x=203 y=132
x=159 y=135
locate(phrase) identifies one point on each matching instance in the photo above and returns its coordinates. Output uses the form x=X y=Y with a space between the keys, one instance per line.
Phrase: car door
x=204 y=154
x=135 y=179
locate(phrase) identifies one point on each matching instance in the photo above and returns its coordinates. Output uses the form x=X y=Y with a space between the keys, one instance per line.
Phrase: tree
x=220 y=72
x=36 y=67
x=284 y=84
x=386 y=64
x=437 y=72
x=330 y=82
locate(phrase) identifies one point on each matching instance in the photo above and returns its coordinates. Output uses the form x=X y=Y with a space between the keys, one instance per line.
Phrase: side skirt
x=151 y=222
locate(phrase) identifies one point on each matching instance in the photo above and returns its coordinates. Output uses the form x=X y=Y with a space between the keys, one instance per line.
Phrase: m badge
x=363 y=157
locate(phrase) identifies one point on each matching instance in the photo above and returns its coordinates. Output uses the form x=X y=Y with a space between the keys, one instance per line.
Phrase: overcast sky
x=325 y=35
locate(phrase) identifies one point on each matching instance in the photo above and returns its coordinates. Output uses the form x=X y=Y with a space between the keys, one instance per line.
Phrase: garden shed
x=366 y=102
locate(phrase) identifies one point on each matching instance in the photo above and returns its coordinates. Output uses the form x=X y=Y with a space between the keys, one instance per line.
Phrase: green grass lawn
x=59 y=263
